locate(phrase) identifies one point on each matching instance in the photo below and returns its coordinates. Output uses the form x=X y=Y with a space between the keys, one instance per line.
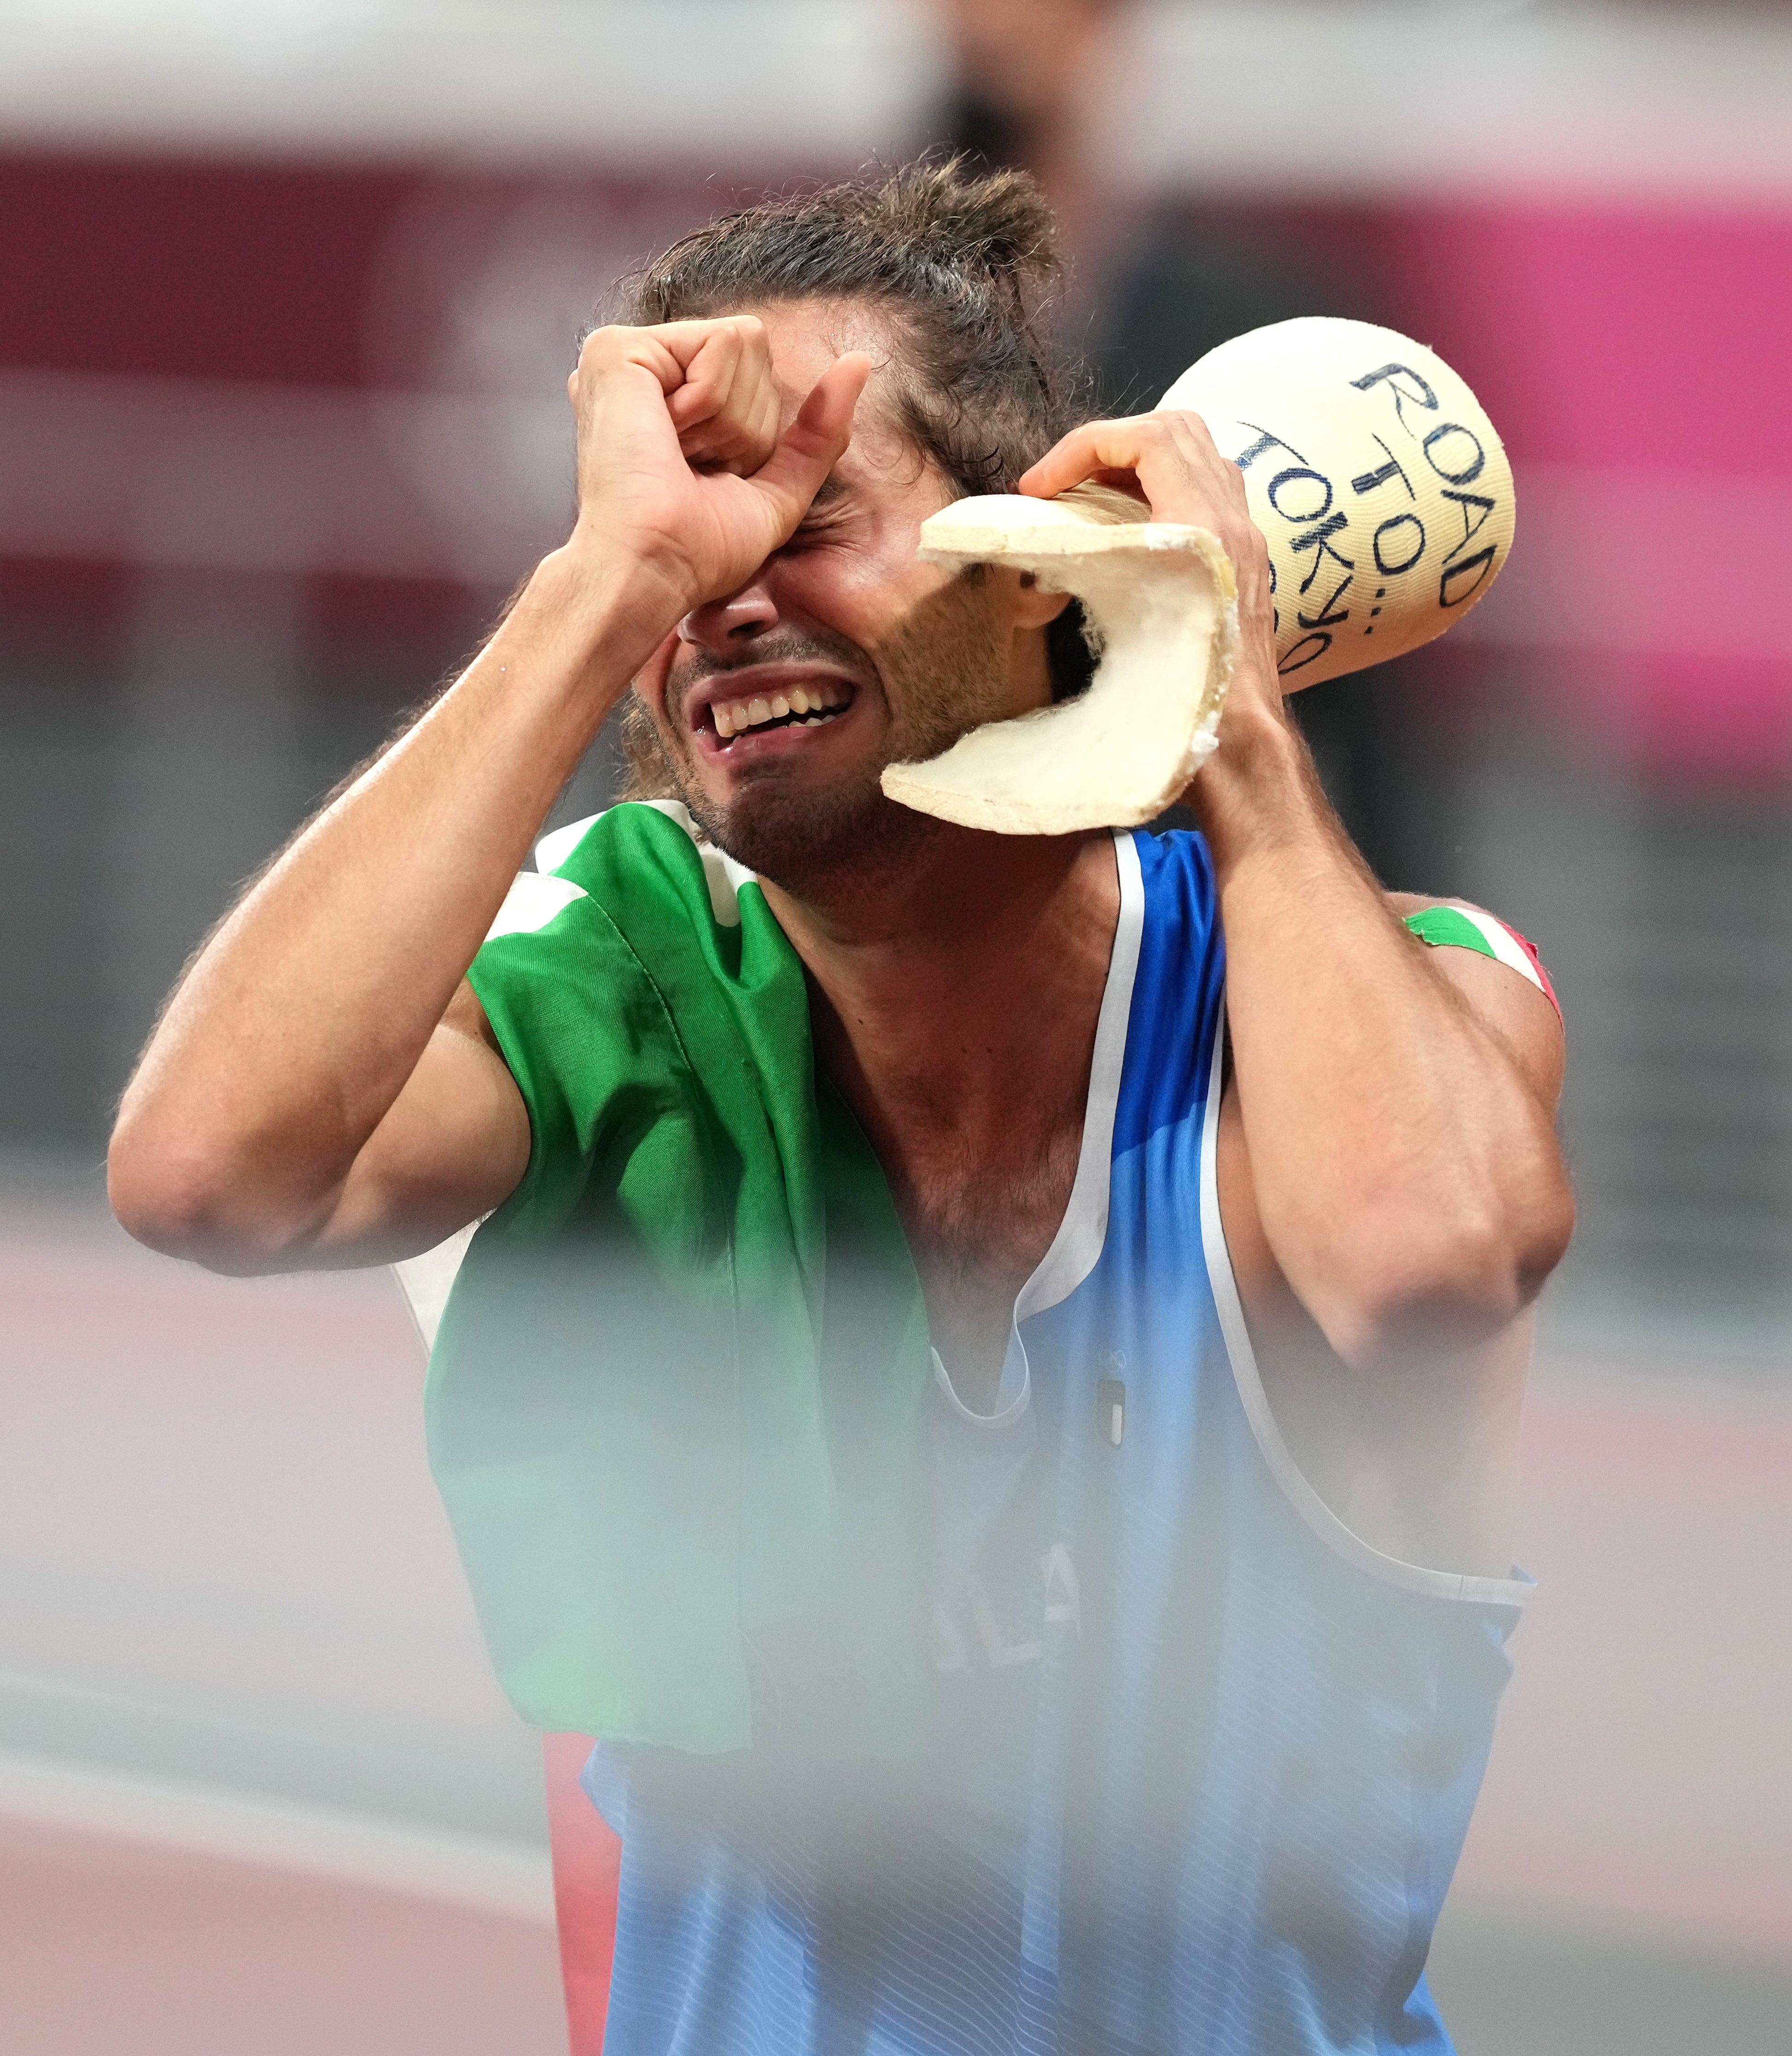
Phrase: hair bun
x=1001 y=222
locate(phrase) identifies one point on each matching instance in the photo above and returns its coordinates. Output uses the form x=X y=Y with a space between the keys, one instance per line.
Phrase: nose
x=739 y=617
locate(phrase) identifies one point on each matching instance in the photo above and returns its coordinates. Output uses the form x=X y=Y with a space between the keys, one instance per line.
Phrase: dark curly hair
x=962 y=266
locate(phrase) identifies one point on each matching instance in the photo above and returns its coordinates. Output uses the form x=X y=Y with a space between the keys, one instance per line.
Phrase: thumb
x=810 y=449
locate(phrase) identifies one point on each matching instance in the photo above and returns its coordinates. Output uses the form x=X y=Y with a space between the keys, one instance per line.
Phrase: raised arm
x=1397 y=1114
x=322 y=1087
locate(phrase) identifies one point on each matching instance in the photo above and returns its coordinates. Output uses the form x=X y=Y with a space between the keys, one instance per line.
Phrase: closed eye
x=826 y=509
x=819 y=527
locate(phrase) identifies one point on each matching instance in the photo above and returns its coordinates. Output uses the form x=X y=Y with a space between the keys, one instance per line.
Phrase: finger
x=770 y=418
x=1172 y=459
x=670 y=354
x=741 y=443
x=1115 y=446
x=811 y=445
x=739 y=424
x=1192 y=437
x=607 y=351
x=1120 y=445
x=1121 y=481
x=737 y=339
x=1216 y=482
x=710 y=376
x=740 y=446
x=684 y=340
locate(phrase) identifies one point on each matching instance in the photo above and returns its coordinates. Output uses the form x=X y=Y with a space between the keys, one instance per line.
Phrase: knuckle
x=1191 y=432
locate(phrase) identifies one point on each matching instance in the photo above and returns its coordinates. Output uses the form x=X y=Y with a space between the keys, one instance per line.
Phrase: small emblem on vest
x=1110 y=1410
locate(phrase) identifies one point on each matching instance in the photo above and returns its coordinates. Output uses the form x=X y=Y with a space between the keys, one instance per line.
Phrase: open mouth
x=813 y=706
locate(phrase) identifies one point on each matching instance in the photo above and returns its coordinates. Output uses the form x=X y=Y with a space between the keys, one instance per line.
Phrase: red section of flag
x=587 y=1857
x=1529 y=948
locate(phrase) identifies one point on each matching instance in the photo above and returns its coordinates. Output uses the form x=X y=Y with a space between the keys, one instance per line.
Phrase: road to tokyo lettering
x=1415 y=497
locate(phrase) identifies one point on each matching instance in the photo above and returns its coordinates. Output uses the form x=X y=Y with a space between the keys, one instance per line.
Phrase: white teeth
x=811 y=708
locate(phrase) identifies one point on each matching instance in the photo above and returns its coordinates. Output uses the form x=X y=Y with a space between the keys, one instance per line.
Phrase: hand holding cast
x=1169 y=460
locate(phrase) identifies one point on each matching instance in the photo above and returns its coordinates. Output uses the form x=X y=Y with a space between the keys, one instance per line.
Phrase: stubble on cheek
x=946 y=670
x=949 y=669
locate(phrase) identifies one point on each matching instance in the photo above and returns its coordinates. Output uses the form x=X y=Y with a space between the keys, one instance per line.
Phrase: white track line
x=479 y=1872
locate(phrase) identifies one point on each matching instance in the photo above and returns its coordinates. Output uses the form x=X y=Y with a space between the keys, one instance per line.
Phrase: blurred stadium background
x=288 y=295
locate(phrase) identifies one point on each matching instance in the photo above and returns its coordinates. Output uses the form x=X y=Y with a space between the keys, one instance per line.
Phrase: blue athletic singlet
x=1200 y=1761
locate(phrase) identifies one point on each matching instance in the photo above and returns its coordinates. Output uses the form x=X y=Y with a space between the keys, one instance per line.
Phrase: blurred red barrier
x=587 y=1856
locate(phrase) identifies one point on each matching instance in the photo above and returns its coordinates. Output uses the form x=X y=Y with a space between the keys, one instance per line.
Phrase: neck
x=953 y=1003
x=966 y=973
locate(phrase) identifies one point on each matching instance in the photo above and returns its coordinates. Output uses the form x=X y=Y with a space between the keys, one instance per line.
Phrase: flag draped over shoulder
x=674 y=1404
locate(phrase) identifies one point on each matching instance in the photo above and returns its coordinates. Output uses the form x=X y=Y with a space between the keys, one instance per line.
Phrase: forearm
x=1400 y=1148
x=295 y=1028
x=1405 y=1165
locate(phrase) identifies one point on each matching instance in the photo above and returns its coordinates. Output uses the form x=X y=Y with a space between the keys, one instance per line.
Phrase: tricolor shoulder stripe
x=1473 y=928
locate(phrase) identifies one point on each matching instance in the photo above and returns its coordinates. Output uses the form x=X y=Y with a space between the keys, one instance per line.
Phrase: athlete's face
x=872 y=657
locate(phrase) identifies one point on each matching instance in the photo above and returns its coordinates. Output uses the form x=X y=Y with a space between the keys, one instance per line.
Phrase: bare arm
x=1421 y=1460
x=322 y=1087
x=1397 y=1120
x=1397 y=1106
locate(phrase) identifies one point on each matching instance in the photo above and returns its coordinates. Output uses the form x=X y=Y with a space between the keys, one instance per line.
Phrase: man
x=894 y=1229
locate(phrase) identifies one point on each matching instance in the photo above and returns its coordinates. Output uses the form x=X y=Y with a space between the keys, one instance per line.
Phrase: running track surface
x=111 y=1946
x=172 y=1430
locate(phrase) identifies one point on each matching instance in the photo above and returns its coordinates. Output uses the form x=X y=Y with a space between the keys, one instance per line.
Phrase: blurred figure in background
x=1034 y=85
x=1041 y=86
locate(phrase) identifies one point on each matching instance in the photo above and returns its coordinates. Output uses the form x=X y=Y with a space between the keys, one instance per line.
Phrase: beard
x=945 y=673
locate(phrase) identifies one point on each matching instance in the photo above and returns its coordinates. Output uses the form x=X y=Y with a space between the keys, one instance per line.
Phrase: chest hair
x=979 y=1214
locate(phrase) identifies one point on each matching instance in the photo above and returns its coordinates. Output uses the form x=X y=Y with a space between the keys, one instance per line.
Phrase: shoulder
x=615 y=898
x=1167 y=970
x=1498 y=974
x=644 y=850
x=599 y=983
x=1173 y=863
x=1167 y=886
x=1461 y=924
x=640 y=859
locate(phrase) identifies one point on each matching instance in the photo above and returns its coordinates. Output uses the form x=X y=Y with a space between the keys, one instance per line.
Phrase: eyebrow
x=832 y=488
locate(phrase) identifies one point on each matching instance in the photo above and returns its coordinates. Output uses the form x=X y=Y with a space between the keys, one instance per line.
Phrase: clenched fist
x=686 y=470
